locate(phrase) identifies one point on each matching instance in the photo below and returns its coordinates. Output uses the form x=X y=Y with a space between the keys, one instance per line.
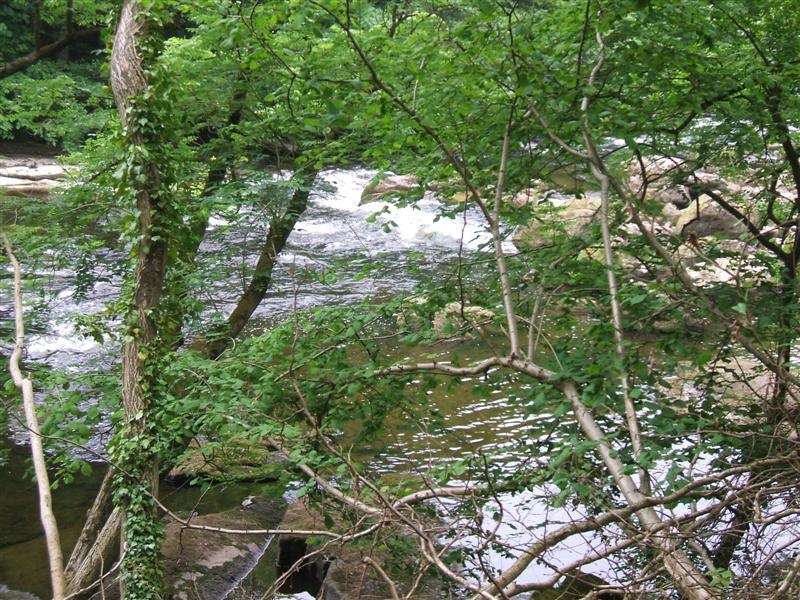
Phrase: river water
x=336 y=234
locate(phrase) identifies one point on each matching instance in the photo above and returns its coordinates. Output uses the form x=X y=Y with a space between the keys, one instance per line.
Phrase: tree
x=136 y=448
x=591 y=86
x=682 y=488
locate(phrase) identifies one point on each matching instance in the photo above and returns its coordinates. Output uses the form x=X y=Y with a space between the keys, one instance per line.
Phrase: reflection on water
x=23 y=559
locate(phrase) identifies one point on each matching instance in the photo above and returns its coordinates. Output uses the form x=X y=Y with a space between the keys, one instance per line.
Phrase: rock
x=711 y=262
x=389 y=184
x=34 y=173
x=735 y=382
x=684 y=192
x=232 y=461
x=704 y=217
x=28 y=188
x=665 y=177
x=209 y=565
x=573 y=218
x=570 y=179
x=7 y=594
x=538 y=192
x=409 y=316
x=576 y=585
x=23 y=176
x=339 y=573
x=27 y=161
x=455 y=319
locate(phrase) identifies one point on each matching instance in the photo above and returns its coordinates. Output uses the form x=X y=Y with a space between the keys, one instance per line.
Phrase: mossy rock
x=235 y=460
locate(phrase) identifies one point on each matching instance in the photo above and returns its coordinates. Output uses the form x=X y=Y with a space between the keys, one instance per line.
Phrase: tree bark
x=84 y=563
x=128 y=81
x=25 y=385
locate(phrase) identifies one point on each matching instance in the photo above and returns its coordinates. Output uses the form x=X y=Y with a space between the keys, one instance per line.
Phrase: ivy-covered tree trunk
x=135 y=449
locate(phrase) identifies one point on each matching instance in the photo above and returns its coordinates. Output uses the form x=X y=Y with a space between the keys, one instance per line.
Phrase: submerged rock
x=389 y=184
x=7 y=594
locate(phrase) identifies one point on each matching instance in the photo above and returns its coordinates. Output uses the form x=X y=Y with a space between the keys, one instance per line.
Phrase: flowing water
x=336 y=235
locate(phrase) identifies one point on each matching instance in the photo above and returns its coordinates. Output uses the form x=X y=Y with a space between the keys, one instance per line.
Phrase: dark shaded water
x=23 y=558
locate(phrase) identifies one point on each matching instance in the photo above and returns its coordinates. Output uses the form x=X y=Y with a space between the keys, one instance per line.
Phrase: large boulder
x=388 y=184
x=233 y=460
x=705 y=217
x=572 y=217
x=660 y=179
x=684 y=193
x=208 y=565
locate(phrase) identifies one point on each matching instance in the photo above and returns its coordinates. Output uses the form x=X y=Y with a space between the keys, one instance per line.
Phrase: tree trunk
x=93 y=547
x=279 y=230
x=25 y=385
x=46 y=51
x=140 y=547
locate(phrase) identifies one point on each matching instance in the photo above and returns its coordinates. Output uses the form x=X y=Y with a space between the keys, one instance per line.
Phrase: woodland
x=620 y=299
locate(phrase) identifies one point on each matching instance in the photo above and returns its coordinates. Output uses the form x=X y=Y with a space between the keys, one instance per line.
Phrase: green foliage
x=291 y=84
x=60 y=105
x=15 y=33
x=137 y=454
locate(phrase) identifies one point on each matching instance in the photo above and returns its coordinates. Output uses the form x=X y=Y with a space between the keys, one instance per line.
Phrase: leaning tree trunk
x=137 y=486
x=280 y=228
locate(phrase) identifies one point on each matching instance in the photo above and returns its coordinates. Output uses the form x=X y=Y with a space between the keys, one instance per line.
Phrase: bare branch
x=392 y=587
x=25 y=385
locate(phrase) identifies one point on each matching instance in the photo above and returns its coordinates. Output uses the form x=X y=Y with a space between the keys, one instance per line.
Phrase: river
x=336 y=233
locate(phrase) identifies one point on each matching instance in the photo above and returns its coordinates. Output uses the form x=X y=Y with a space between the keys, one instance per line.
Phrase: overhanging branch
x=46 y=51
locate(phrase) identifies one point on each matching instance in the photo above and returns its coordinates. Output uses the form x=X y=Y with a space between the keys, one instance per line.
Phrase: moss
x=236 y=460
